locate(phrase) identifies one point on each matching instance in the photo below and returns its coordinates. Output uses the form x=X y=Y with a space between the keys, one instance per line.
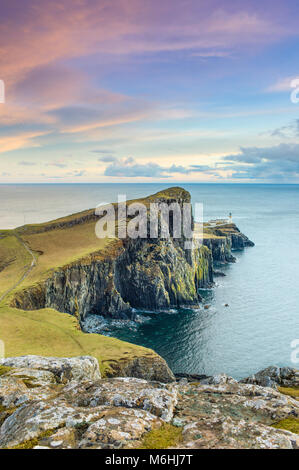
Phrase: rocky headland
x=151 y=273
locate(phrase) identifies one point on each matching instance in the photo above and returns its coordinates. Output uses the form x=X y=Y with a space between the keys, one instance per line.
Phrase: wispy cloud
x=281 y=85
x=129 y=167
x=25 y=163
x=280 y=162
x=108 y=159
x=134 y=77
x=58 y=164
x=73 y=28
x=19 y=141
x=289 y=131
x=105 y=151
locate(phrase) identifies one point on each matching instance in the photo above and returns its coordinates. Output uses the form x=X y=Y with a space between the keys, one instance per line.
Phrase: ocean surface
x=262 y=319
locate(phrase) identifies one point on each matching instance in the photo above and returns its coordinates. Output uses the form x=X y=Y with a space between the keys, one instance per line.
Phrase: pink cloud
x=41 y=36
x=38 y=35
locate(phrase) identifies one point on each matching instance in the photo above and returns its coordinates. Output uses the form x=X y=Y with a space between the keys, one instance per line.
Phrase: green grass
x=31 y=443
x=292 y=392
x=61 y=247
x=50 y=333
x=4 y=370
x=166 y=436
x=14 y=261
x=57 y=244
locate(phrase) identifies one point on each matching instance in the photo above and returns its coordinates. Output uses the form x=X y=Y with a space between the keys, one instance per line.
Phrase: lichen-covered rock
x=219 y=379
x=226 y=433
x=232 y=415
x=273 y=376
x=32 y=420
x=62 y=369
x=152 y=368
x=119 y=427
x=33 y=377
x=214 y=412
x=78 y=413
x=12 y=392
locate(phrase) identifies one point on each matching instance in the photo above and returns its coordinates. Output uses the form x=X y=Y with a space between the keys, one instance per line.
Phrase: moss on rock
x=31 y=443
x=166 y=436
x=289 y=424
x=291 y=391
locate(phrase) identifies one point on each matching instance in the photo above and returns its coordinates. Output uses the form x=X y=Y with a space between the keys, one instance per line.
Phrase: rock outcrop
x=45 y=408
x=226 y=414
x=152 y=368
x=62 y=370
x=152 y=273
x=225 y=238
x=275 y=376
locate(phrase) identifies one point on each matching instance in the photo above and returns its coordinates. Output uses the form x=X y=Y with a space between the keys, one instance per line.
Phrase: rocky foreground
x=62 y=403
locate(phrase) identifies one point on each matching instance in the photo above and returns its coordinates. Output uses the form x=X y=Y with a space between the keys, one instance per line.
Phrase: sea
x=260 y=325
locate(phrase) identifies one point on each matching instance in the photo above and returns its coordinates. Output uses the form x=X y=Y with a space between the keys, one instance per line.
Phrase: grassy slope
x=14 y=260
x=60 y=247
x=48 y=332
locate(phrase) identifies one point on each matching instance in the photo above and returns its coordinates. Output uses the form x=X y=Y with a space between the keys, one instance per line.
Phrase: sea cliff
x=151 y=273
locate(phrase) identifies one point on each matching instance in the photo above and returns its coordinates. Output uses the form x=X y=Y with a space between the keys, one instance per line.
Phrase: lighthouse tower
x=230 y=218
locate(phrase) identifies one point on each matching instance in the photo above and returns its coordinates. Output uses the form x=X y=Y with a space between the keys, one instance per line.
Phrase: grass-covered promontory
x=29 y=255
x=50 y=333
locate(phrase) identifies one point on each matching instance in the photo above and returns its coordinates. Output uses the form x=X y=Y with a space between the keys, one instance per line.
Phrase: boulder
x=219 y=379
x=230 y=415
x=155 y=397
x=273 y=376
x=153 y=368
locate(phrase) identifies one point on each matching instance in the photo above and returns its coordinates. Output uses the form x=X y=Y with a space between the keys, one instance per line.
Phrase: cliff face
x=220 y=249
x=137 y=273
x=224 y=237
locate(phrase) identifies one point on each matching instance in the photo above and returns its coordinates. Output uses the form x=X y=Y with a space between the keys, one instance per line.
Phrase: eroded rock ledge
x=144 y=273
x=63 y=403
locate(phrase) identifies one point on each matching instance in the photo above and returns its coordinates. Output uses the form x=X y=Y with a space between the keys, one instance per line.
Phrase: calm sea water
x=261 y=289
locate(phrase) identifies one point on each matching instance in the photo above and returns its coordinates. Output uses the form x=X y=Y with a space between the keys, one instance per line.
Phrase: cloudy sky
x=149 y=90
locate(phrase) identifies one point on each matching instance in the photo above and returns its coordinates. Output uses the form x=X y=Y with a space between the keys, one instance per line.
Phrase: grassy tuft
x=31 y=443
x=4 y=370
x=288 y=424
x=5 y=413
x=292 y=392
x=47 y=332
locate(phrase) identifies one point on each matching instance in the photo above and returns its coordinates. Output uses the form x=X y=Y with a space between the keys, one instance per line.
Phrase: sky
x=149 y=91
